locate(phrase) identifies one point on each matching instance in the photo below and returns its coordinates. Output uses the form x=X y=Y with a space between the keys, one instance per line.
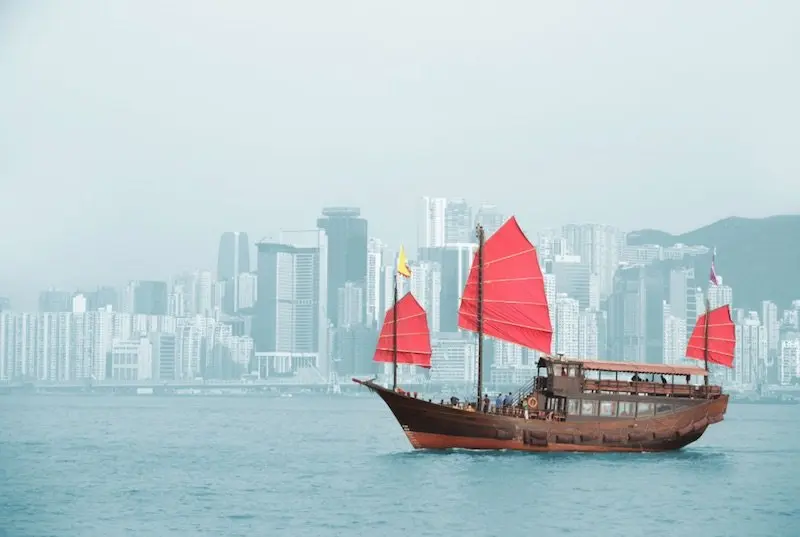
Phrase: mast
x=479 y=315
x=705 y=342
x=394 y=336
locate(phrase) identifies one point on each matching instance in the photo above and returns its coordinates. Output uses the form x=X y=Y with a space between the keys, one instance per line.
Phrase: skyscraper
x=432 y=224
x=290 y=326
x=233 y=259
x=454 y=262
x=147 y=297
x=375 y=253
x=458 y=224
x=347 y=252
x=627 y=316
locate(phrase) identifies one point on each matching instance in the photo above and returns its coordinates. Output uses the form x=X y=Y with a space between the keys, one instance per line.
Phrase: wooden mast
x=479 y=313
x=394 y=336
x=705 y=343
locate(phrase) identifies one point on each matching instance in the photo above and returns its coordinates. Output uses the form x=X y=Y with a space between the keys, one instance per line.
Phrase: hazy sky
x=133 y=133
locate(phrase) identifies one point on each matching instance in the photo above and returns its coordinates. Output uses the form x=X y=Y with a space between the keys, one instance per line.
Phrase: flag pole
x=705 y=342
x=394 y=336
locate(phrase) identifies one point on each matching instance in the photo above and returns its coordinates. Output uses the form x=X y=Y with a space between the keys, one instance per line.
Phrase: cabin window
x=573 y=371
x=662 y=408
x=626 y=409
x=644 y=409
x=574 y=407
x=608 y=409
x=589 y=408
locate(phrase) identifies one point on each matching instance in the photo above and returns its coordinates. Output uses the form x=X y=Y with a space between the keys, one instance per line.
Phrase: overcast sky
x=133 y=133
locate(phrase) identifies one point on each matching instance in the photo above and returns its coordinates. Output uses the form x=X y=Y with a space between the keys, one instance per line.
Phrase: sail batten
x=721 y=338
x=413 y=335
x=514 y=303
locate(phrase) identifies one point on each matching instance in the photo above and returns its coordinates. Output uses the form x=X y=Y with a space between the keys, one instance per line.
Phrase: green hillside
x=758 y=257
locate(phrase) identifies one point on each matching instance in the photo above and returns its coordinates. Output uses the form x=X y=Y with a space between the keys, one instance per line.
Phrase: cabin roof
x=634 y=367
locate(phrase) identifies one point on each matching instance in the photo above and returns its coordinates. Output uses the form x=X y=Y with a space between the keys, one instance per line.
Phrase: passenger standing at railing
x=498 y=403
x=507 y=403
x=525 y=408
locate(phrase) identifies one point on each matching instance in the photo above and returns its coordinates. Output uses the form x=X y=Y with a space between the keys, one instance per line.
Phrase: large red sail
x=413 y=336
x=721 y=338
x=514 y=302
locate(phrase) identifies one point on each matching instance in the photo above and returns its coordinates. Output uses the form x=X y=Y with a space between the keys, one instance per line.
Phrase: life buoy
x=549 y=416
x=533 y=403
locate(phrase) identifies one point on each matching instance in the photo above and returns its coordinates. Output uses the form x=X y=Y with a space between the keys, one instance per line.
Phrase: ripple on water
x=253 y=466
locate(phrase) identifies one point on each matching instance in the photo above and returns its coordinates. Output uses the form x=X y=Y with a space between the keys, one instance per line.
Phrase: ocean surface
x=322 y=466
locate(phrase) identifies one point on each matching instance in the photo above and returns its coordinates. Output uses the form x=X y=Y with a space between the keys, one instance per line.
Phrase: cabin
x=576 y=390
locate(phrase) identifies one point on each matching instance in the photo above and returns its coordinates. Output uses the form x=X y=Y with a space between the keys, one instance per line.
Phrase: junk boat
x=571 y=405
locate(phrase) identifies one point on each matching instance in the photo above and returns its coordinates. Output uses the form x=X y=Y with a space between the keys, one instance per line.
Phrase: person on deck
x=498 y=403
x=486 y=403
x=507 y=403
x=525 y=408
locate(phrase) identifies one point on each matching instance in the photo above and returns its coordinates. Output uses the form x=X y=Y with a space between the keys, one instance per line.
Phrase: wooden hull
x=433 y=426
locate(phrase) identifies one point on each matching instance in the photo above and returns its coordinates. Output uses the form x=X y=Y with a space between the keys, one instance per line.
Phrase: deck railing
x=650 y=388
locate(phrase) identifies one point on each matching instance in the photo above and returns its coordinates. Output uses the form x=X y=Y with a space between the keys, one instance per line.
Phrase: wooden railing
x=650 y=388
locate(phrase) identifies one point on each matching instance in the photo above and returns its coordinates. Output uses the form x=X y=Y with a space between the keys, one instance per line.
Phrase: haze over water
x=108 y=466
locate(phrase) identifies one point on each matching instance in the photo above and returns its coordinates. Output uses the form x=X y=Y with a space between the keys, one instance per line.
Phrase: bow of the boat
x=369 y=383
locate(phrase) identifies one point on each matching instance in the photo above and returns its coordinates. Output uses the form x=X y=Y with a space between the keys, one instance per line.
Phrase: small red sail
x=514 y=301
x=413 y=336
x=721 y=337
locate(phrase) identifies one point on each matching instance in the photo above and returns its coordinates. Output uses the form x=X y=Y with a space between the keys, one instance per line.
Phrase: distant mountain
x=758 y=257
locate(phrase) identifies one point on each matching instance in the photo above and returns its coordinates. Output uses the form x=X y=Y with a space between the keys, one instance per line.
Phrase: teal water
x=317 y=466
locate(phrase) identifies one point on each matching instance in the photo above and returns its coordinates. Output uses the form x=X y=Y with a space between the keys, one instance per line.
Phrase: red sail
x=514 y=302
x=413 y=336
x=721 y=338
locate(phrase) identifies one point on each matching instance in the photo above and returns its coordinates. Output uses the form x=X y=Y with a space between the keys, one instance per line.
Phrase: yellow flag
x=402 y=264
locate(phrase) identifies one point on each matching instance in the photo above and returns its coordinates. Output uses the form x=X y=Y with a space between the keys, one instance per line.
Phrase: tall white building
x=550 y=294
x=291 y=313
x=375 y=254
x=445 y=221
x=600 y=246
x=567 y=325
x=751 y=351
x=769 y=316
x=426 y=286
x=433 y=222
x=675 y=336
x=351 y=305
x=248 y=290
x=589 y=335
x=718 y=295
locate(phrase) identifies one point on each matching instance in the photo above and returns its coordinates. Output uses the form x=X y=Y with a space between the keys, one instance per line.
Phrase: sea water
x=322 y=466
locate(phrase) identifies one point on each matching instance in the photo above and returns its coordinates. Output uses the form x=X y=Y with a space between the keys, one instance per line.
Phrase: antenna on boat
x=479 y=311
x=394 y=336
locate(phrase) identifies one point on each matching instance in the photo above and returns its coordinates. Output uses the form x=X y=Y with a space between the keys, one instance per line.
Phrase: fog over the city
x=134 y=133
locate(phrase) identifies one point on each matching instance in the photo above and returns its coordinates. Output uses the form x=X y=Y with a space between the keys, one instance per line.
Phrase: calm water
x=109 y=466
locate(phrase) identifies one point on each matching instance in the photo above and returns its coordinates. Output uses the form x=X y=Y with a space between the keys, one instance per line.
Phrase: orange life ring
x=549 y=416
x=533 y=403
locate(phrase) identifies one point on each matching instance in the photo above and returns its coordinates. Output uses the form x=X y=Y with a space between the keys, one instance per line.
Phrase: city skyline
x=27 y=299
x=314 y=302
